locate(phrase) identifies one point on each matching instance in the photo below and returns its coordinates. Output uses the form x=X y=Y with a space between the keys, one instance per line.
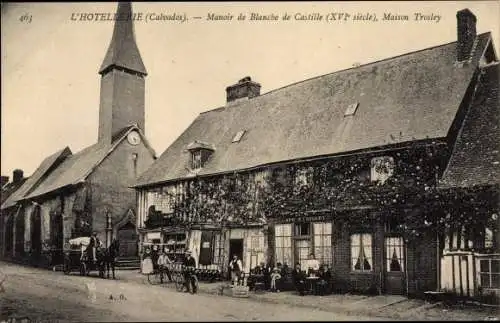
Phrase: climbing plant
x=335 y=184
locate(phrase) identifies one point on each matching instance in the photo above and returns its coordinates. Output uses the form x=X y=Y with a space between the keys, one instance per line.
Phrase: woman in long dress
x=147 y=263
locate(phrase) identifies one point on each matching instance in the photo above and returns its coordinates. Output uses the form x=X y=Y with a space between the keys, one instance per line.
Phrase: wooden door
x=206 y=248
x=302 y=251
x=127 y=237
x=395 y=261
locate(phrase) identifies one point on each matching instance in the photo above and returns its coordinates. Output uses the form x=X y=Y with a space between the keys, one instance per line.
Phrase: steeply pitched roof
x=475 y=159
x=123 y=50
x=77 y=167
x=9 y=189
x=401 y=99
x=72 y=170
x=44 y=169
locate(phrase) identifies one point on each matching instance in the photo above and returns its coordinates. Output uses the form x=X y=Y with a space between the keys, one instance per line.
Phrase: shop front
x=213 y=248
x=249 y=244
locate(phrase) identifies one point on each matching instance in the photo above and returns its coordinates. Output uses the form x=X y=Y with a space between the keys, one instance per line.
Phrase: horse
x=105 y=259
x=110 y=255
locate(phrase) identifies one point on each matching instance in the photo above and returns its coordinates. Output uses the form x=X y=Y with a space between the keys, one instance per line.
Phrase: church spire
x=122 y=81
x=123 y=51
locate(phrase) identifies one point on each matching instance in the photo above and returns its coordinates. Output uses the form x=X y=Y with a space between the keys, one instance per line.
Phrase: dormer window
x=196 y=159
x=200 y=153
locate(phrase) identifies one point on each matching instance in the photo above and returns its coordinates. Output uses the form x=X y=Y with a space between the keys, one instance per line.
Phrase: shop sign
x=318 y=218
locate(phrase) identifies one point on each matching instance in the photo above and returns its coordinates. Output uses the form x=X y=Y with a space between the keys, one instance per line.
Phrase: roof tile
x=401 y=99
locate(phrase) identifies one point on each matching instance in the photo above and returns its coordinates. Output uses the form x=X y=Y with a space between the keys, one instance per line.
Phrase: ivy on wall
x=337 y=185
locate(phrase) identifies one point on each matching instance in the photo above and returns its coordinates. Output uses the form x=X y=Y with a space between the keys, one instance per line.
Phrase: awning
x=80 y=241
x=153 y=235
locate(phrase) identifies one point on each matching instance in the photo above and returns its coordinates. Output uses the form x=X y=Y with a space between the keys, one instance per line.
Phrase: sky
x=50 y=82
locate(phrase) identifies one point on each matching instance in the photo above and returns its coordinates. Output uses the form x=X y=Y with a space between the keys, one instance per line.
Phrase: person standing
x=147 y=263
x=236 y=267
x=312 y=264
x=189 y=265
x=154 y=257
x=93 y=244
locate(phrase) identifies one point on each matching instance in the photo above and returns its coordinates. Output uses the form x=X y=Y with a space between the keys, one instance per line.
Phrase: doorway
x=235 y=248
x=19 y=248
x=36 y=232
x=395 y=260
x=127 y=238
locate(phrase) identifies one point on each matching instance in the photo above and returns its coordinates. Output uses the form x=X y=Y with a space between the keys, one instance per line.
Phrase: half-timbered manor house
x=354 y=166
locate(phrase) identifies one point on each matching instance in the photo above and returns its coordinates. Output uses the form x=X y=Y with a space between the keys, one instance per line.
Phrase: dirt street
x=44 y=295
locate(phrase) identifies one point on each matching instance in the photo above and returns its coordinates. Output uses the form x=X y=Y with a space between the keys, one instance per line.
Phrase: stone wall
x=110 y=182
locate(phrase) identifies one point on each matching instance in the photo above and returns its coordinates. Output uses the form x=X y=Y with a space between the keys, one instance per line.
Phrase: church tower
x=122 y=80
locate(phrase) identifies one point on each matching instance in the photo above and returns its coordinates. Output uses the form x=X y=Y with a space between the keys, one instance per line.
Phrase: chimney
x=4 y=180
x=466 y=30
x=17 y=176
x=245 y=88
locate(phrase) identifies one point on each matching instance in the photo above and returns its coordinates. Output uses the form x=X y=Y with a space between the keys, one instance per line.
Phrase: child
x=275 y=275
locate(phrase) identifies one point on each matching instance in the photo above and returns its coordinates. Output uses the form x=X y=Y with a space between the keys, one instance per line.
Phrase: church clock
x=134 y=138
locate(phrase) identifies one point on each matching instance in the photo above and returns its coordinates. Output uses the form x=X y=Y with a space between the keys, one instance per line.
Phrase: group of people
x=271 y=277
x=274 y=278
x=155 y=260
x=320 y=277
x=309 y=276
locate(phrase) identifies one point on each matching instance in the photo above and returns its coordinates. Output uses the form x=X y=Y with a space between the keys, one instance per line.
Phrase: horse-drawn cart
x=76 y=258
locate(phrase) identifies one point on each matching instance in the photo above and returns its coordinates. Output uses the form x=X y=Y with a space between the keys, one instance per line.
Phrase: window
x=381 y=168
x=361 y=252
x=196 y=159
x=255 y=243
x=284 y=243
x=200 y=153
x=302 y=229
x=323 y=242
x=351 y=109
x=238 y=136
x=218 y=244
x=302 y=250
x=460 y=238
x=489 y=273
x=394 y=253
